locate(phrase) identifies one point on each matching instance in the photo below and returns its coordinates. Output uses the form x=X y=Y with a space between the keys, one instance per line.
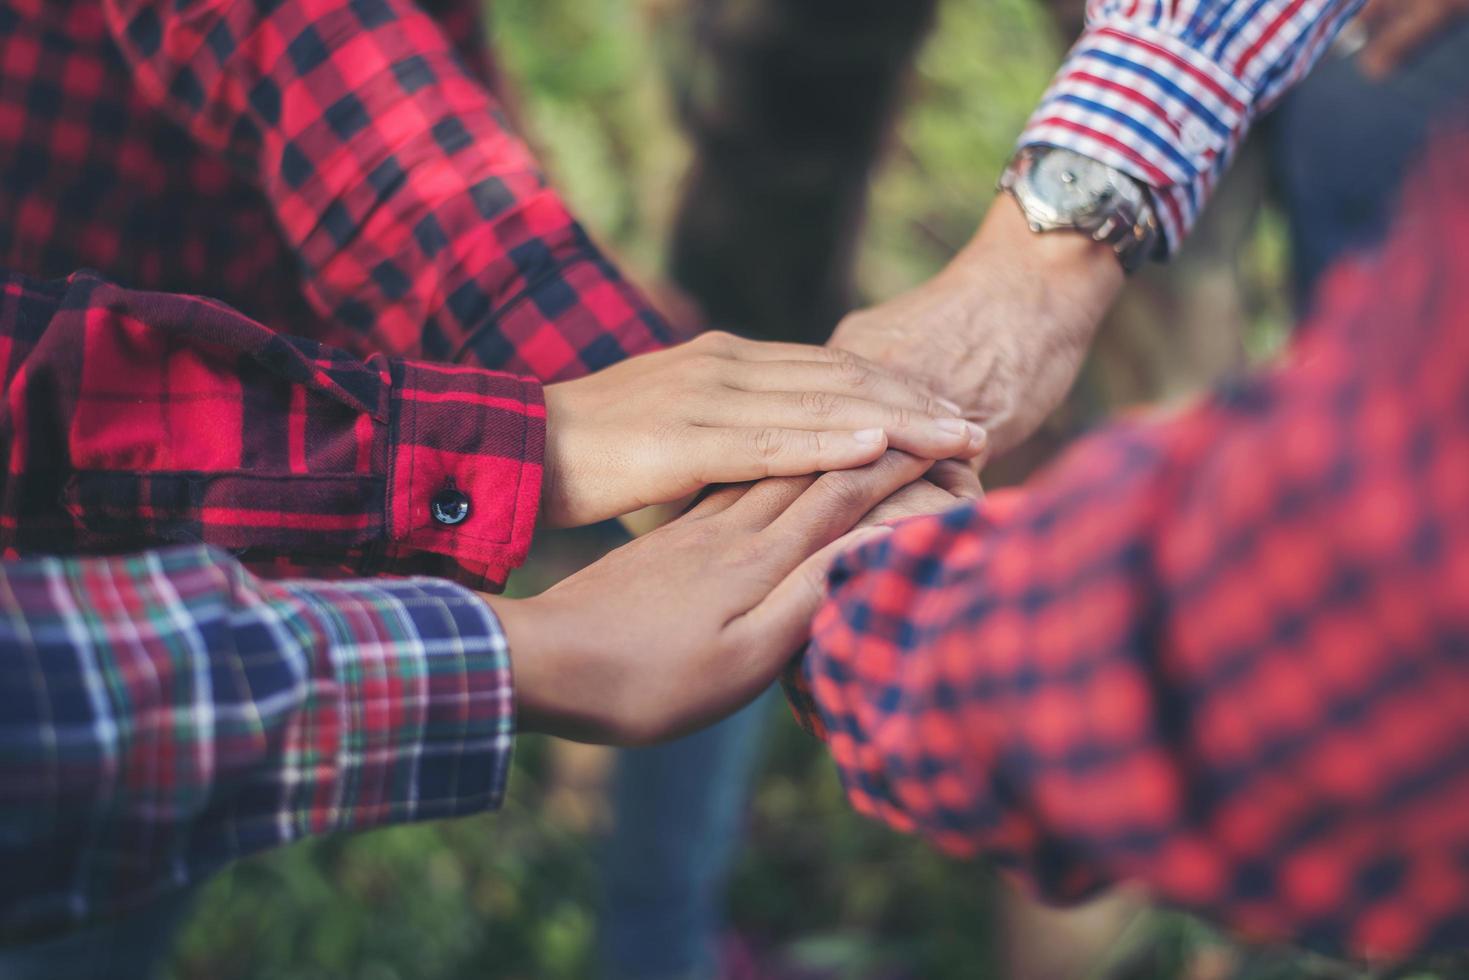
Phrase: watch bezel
x=1042 y=203
x=1122 y=215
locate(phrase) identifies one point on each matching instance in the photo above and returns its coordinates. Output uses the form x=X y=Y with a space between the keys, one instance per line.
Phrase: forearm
x=1070 y=279
x=1061 y=286
x=167 y=713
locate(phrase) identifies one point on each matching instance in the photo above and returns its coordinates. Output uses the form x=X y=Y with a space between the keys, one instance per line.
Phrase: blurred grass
x=515 y=895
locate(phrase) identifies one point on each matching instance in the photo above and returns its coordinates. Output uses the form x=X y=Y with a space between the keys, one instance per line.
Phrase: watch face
x=1070 y=185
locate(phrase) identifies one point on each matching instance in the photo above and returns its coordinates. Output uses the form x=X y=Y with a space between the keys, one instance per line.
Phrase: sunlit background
x=516 y=894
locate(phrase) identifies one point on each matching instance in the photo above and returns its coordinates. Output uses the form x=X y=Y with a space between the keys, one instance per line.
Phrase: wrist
x=557 y=504
x=561 y=688
x=1039 y=299
x=531 y=641
x=1079 y=270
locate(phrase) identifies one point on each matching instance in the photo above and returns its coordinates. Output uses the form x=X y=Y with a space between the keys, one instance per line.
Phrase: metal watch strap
x=1129 y=224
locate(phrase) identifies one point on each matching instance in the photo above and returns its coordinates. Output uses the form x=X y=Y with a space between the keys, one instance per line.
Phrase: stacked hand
x=690 y=622
x=657 y=428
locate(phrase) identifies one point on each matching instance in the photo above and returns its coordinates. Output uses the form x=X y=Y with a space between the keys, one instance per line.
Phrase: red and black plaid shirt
x=1226 y=653
x=337 y=170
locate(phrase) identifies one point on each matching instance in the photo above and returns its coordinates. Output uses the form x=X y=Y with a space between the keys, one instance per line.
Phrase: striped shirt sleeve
x=166 y=713
x=1165 y=90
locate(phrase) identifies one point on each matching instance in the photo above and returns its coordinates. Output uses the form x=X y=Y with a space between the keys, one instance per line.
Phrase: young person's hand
x=719 y=409
x=689 y=623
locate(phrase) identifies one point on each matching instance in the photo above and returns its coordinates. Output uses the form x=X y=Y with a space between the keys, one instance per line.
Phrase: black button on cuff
x=450 y=506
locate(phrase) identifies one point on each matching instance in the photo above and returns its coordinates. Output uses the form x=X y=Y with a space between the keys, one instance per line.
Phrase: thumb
x=781 y=624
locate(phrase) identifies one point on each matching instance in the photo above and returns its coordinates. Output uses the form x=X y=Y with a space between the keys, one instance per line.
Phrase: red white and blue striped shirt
x=1165 y=90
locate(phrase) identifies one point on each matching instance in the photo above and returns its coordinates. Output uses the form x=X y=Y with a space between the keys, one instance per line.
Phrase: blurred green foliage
x=515 y=895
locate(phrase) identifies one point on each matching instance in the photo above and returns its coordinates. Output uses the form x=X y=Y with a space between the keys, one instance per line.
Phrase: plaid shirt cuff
x=167 y=713
x=154 y=417
x=476 y=433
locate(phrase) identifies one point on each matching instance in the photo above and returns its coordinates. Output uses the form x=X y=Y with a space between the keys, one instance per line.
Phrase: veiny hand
x=692 y=621
x=1396 y=29
x=719 y=409
x=1003 y=330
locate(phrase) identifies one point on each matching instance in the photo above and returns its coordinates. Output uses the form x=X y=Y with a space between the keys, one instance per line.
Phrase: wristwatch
x=1061 y=190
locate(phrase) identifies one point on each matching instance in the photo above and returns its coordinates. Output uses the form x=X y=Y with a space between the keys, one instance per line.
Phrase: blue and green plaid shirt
x=166 y=713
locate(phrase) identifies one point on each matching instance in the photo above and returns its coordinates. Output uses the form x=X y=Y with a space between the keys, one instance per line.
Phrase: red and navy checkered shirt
x=1226 y=652
x=167 y=713
x=134 y=418
x=337 y=170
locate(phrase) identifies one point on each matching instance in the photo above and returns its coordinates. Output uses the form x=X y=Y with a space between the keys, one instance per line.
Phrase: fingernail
x=954 y=407
x=868 y=436
x=977 y=435
x=957 y=427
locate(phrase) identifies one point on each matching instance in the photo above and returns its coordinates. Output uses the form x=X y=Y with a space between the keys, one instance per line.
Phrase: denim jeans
x=679 y=814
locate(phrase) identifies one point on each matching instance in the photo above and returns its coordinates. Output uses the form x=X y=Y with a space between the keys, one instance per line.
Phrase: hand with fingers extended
x=719 y=409
x=690 y=622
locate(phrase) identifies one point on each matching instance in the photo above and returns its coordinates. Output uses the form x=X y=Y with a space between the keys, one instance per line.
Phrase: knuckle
x=717 y=343
x=703 y=534
x=768 y=443
x=818 y=404
x=844 y=492
x=849 y=364
x=855 y=374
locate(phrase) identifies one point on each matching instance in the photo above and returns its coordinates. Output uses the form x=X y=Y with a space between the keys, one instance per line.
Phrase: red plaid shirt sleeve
x=417 y=217
x=166 y=714
x=134 y=418
x=1226 y=653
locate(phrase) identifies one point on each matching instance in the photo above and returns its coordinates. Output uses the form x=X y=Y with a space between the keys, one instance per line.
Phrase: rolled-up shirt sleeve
x=1165 y=90
x=166 y=713
x=137 y=418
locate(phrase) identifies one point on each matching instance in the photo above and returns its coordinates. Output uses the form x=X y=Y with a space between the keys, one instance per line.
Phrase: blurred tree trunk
x=787 y=104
